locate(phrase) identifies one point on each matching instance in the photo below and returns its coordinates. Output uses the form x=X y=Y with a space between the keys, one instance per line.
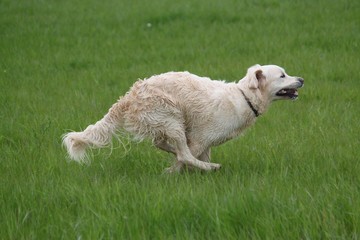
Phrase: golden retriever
x=186 y=115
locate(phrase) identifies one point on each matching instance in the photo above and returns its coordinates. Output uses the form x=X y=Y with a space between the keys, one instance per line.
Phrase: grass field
x=294 y=175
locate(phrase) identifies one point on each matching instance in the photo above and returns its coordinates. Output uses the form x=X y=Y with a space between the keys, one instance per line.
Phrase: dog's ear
x=256 y=76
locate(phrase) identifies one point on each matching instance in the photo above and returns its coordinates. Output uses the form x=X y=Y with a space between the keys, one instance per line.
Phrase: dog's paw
x=215 y=166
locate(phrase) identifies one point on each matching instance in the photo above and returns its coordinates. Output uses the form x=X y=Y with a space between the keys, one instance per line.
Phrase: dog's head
x=273 y=82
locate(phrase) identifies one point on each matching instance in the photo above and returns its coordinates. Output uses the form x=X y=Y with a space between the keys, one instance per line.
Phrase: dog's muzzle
x=291 y=93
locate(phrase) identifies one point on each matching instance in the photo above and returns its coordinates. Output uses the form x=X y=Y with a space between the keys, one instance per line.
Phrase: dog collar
x=256 y=112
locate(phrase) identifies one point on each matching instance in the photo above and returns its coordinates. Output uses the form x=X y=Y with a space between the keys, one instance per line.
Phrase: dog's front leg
x=163 y=145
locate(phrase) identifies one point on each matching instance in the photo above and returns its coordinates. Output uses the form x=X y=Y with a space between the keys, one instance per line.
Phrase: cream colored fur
x=185 y=114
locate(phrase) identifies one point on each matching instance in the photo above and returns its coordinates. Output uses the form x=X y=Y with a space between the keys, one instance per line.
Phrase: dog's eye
x=283 y=75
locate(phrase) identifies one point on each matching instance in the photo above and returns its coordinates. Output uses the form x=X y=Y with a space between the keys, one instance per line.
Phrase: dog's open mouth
x=291 y=93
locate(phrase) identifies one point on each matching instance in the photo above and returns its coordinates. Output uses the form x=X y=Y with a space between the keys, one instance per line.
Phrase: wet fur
x=185 y=114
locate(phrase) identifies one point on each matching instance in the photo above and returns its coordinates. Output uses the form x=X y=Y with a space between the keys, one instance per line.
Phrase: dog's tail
x=94 y=136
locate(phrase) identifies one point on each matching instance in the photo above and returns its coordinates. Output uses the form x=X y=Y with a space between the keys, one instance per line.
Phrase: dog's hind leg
x=184 y=155
x=180 y=166
x=200 y=151
x=165 y=146
x=195 y=150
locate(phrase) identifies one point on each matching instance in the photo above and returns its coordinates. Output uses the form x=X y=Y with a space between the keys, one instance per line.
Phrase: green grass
x=294 y=175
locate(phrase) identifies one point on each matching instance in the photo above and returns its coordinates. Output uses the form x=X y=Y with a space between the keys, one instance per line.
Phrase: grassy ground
x=294 y=175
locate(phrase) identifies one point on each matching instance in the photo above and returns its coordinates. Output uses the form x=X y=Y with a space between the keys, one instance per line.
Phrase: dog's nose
x=301 y=80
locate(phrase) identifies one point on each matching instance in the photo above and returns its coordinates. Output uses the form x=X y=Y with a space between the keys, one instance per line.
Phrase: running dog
x=186 y=115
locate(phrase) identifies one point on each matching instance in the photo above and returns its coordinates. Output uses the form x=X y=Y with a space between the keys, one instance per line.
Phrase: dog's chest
x=230 y=128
